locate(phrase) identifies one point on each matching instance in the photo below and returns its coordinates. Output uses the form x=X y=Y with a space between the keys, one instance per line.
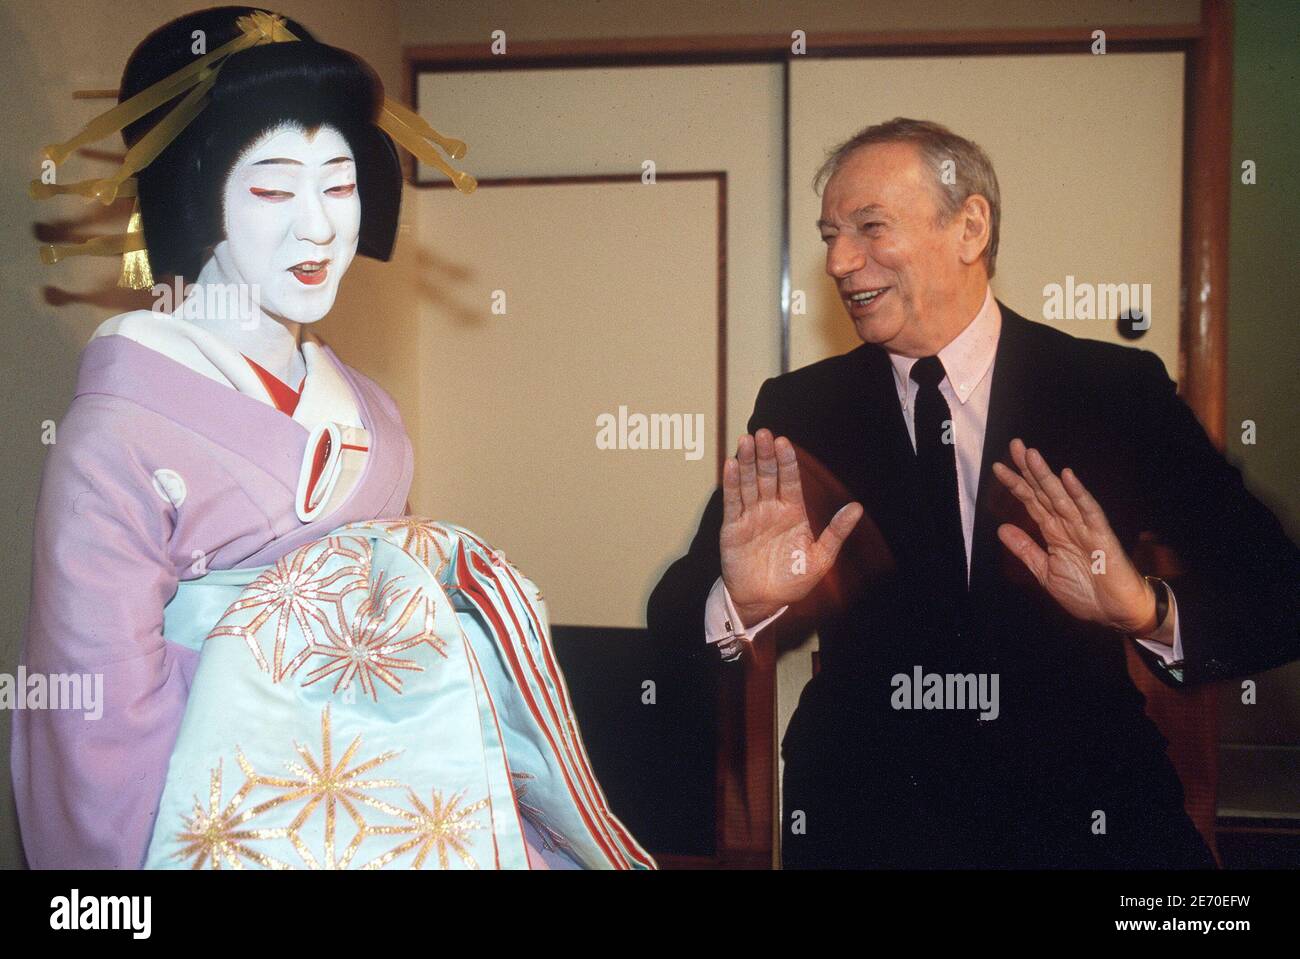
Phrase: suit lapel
x=1011 y=414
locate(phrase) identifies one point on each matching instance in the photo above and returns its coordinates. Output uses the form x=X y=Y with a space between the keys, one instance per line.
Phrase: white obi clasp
x=332 y=463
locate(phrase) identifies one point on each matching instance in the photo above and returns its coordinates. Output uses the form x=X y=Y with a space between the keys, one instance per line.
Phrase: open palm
x=1084 y=567
x=770 y=557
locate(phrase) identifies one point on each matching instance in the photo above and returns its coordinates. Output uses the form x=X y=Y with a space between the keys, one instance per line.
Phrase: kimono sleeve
x=87 y=786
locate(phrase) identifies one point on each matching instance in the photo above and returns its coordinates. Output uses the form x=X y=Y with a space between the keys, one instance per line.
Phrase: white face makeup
x=292 y=219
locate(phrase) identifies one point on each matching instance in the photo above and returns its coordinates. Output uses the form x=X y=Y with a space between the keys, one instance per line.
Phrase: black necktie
x=936 y=462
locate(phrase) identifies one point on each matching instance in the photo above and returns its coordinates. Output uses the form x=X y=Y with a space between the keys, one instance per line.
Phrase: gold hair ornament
x=404 y=125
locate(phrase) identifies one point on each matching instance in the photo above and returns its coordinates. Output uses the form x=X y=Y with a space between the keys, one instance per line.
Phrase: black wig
x=302 y=82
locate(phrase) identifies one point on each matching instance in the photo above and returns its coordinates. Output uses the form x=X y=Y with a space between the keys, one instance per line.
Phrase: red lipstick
x=310 y=272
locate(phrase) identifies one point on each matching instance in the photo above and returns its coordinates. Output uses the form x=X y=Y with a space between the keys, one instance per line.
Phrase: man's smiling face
x=895 y=263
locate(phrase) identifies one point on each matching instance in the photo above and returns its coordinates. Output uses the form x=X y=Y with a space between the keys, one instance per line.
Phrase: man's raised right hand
x=770 y=558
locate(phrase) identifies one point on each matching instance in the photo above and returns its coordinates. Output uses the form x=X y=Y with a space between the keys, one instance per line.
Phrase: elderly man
x=973 y=707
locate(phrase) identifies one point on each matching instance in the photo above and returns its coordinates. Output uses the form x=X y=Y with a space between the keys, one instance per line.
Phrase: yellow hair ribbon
x=258 y=28
x=416 y=143
x=155 y=141
x=453 y=148
x=43 y=191
x=111 y=244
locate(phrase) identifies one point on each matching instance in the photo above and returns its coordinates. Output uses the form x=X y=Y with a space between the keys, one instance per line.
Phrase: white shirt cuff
x=1172 y=651
x=722 y=626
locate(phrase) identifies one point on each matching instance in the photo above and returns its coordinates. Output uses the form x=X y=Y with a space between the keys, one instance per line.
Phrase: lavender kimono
x=357 y=688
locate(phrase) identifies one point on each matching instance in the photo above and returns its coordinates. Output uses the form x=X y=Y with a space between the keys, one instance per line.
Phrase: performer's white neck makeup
x=292 y=216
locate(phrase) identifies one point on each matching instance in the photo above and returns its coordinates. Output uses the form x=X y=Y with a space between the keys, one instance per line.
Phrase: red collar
x=284 y=396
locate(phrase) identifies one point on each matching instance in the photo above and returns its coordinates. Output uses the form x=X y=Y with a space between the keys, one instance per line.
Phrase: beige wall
x=610 y=121
x=610 y=299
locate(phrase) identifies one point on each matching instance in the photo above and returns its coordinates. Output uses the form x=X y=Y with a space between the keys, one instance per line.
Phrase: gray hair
x=971 y=171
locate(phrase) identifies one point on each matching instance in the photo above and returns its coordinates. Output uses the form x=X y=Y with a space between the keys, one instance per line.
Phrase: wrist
x=1148 y=618
x=750 y=614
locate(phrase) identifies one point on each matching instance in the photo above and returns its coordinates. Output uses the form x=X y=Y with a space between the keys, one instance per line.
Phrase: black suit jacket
x=1071 y=773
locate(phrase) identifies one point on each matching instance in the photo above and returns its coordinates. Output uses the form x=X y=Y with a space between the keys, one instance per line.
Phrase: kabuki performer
x=295 y=673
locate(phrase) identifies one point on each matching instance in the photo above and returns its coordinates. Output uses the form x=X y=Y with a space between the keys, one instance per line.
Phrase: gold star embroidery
x=215 y=835
x=438 y=826
x=423 y=540
x=324 y=783
x=294 y=589
x=365 y=648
